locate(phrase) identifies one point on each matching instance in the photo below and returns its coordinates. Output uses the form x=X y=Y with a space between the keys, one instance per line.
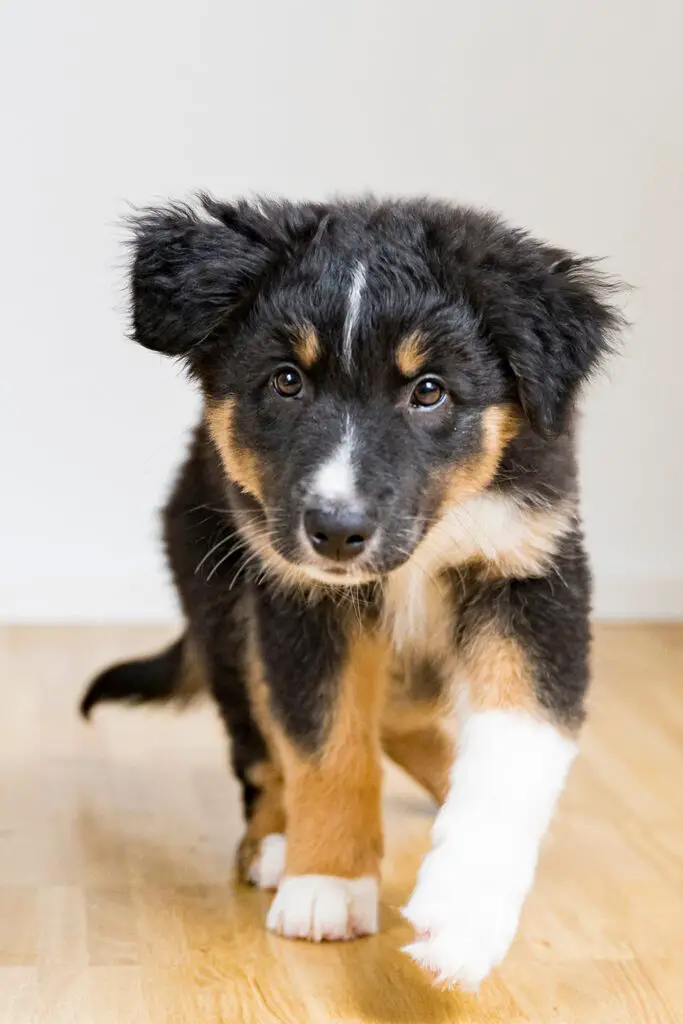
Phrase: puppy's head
x=363 y=364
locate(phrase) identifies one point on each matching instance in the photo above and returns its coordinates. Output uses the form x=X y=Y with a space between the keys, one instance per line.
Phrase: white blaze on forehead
x=335 y=480
x=355 y=297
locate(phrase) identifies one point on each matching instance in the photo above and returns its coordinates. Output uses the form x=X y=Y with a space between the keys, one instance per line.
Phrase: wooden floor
x=116 y=896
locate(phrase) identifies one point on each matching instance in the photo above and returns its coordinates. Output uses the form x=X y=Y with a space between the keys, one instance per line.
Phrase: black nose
x=341 y=533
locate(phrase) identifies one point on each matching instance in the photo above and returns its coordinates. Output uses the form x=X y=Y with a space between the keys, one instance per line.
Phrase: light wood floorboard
x=116 y=843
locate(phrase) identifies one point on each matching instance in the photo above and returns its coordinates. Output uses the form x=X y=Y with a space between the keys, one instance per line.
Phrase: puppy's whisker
x=216 y=547
x=219 y=545
x=245 y=542
x=258 y=553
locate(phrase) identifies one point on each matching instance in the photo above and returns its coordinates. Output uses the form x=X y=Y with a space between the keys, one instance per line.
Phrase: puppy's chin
x=302 y=567
x=341 y=577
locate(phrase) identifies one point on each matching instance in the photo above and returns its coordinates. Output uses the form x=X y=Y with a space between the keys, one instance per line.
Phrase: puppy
x=377 y=524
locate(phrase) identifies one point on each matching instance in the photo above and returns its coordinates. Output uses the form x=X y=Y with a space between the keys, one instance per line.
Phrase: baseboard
x=59 y=600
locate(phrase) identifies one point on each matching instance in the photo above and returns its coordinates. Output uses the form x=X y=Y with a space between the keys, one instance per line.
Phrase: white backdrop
x=566 y=117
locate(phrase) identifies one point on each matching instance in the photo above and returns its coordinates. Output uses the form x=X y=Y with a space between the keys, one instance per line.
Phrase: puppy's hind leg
x=425 y=751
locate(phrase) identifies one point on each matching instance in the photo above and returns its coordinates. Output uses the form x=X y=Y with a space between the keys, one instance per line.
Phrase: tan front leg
x=332 y=804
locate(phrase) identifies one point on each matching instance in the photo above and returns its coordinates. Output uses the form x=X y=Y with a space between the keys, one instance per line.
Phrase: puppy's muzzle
x=340 y=533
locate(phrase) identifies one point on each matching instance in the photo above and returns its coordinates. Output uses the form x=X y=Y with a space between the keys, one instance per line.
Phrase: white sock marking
x=322 y=907
x=268 y=866
x=355 y=297
x=472 y=885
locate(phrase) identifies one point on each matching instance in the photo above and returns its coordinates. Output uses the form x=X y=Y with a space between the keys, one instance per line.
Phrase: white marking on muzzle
x=335 y=480
x=355 y=297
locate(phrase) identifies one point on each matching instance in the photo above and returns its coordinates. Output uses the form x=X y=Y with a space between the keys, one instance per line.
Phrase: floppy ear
x=554 y=328
x=545 y=312
x=195 y=271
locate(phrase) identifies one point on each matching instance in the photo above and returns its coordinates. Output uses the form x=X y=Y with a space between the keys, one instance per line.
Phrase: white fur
x=421 y=612
x=472 y=885
x=355 y=298
x=496 y=527
x=335 y=480
x=322 y=907
x=268 y=867
x=490 y=526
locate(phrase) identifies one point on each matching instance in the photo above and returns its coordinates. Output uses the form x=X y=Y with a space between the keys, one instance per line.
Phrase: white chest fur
x=507 y=538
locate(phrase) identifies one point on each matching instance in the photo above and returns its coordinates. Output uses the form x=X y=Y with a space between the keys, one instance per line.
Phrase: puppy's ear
x=553 y=324
x=546 y=312
x=196 y=270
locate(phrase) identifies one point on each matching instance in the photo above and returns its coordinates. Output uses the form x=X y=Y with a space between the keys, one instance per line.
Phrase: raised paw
x=324 y=907
x=465 y=924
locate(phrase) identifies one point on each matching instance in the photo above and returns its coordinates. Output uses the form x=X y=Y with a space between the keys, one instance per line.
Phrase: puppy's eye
x=287 y=381
x=428 y=393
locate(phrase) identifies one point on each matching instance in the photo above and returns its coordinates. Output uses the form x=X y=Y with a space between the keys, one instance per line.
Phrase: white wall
x=565 y=116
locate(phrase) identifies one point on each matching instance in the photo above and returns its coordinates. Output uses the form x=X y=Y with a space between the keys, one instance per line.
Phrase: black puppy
x=378 y=523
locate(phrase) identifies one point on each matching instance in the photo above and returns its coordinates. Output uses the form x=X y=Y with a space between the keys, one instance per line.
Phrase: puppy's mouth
x=353 y=562
x=338 y=576
x=378 y=558
x=339 y=567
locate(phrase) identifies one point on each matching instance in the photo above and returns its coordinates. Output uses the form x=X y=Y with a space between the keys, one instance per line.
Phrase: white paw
x=324 y=907
x=268 y=866
x=465 y=917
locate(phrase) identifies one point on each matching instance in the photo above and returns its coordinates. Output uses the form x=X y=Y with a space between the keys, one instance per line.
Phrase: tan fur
x=497 y=674
x=414 y=736
x=490 y=532
x=288 y=574
x=411 y=354
x=307 y=348
x=418 y=606
x=527 y=551
x=240 y=463
x=332 y=797
x=496 y=534
x=192 y=681
x=500 y=423
x=268 y=813
x=258 y=696
x=543 y=529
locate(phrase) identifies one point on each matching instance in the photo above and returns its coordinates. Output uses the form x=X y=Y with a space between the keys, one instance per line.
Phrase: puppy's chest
x=419 y=616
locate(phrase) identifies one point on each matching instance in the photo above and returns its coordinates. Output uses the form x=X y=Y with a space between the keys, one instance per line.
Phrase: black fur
x=509 y=321
x=137 y=682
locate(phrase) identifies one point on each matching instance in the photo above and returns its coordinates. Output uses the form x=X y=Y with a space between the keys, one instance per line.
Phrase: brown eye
x=287 y=382
x=428 y=393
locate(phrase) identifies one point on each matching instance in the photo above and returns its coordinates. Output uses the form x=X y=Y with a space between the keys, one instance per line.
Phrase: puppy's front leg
x=522 y=698
x=325 y=715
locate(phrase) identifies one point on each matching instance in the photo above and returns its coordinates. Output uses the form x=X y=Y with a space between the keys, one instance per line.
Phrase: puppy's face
x=351 y=419
x=362 y=371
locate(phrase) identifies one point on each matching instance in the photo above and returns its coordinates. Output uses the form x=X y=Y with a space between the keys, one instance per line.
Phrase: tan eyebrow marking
x=411 y=354
x=307 y=347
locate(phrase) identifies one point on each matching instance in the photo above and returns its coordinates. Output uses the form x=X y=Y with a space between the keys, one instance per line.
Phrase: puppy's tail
x=173 y=675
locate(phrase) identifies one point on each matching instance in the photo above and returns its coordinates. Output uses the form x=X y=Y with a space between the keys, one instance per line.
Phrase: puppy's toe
x=465 y=923
x=268 y=863
x=323 y=907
